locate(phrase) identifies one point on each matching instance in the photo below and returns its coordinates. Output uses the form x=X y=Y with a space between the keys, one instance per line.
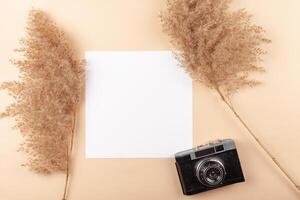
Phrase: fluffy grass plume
x=46 y=95
x=215 y=46
x=219 y=48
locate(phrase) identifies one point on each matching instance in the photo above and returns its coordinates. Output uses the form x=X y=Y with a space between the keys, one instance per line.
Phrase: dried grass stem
x=260 y=144
x=69 y=156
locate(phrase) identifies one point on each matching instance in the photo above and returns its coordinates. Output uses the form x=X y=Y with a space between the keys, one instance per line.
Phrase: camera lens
x=210 y=171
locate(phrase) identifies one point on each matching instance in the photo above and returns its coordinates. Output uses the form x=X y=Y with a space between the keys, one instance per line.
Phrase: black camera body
x=209 y=166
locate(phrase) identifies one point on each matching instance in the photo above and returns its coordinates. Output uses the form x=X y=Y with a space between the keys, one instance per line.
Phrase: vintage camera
x=209 y=166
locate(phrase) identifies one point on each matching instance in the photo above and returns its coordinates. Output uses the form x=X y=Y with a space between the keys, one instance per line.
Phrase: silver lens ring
x=210 y=172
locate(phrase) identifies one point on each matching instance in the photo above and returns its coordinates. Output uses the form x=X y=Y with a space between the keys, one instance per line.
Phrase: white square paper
x=138 y=105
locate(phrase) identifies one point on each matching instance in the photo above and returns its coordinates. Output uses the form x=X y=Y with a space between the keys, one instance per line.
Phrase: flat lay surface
x=271 y=109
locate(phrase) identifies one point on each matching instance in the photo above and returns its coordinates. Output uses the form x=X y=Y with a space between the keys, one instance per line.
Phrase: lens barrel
x=210 y=171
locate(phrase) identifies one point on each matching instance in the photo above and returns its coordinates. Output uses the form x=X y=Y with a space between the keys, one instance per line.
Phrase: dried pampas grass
x=218 y=48
x=46 y=96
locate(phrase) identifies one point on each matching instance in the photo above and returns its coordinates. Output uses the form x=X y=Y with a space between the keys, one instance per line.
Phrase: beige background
x=272 y=109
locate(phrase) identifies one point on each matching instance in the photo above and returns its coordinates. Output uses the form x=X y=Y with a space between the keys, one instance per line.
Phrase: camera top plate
x=206 y=149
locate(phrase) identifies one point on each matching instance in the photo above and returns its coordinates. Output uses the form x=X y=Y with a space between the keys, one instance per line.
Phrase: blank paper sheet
x=138 y=105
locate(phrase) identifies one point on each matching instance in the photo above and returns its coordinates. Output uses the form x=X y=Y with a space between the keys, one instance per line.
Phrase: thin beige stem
x=69 y=155
x=257 y=140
